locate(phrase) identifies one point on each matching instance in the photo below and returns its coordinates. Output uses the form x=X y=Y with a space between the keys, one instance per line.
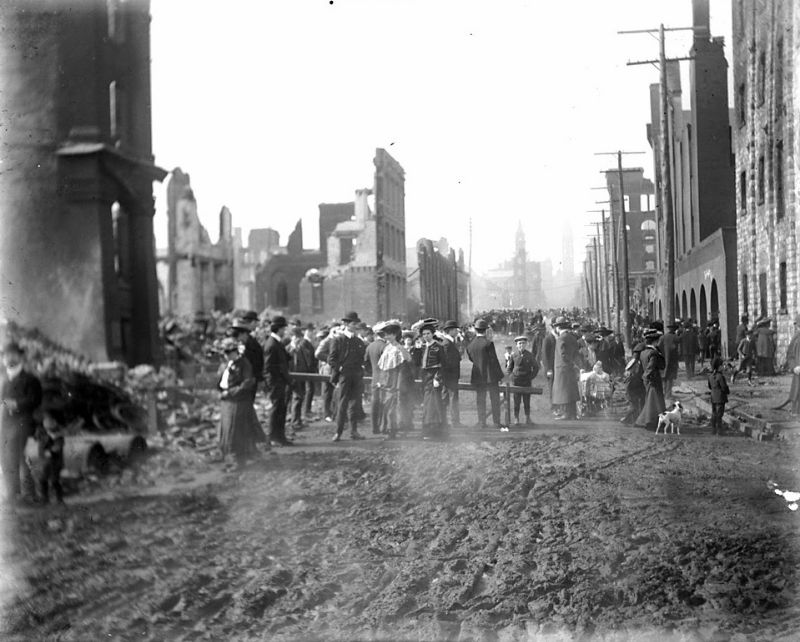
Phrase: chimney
x=701 y=20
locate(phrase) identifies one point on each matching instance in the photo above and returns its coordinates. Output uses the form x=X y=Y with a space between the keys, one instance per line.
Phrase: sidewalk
x=750 y=409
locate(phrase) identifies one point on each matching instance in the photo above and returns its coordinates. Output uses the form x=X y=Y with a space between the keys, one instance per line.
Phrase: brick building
x=766 y=62
x=76 y=196
x=365 y=268
x=195 y=275
x=437 y=282
x=702 y=172
x=640 y=218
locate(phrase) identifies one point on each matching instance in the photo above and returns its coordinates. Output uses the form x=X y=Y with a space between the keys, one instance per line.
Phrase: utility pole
x=609 y=237
x=666 y=174
x=469 y=281
x=599 y=283
x=597 y=272
x=626 y=280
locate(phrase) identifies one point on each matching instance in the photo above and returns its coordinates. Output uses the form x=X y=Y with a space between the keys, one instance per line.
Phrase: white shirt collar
x=275 y=336
x=347 y=333
x=13 y=372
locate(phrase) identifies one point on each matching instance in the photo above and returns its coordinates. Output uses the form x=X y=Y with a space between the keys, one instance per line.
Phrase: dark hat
x=575 y=326
x=586 y=328
x=481 y=324
x=603 y=331
x=763 y=322
x=240 y=324
x=351 y=317
x=250 y=315
x=431 y=321
x=279 y=322
x=656 y=325
x=309 y=326
x=521 y=337
x=449 y=325
x=673 y=326
x=638 y=348
x=561 y=322
x=391 y=326
x=652 y=333
x=13 y=346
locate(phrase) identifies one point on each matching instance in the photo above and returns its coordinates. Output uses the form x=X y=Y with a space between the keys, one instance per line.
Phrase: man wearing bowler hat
x=486 y=374
x=346 y=360
x=669 y=344
x=451 y=371
x=565 y=370
x=278 y=380
x=20 y=396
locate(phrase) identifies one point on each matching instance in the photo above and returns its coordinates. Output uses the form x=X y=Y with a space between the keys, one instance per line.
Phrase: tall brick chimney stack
x=701 y=20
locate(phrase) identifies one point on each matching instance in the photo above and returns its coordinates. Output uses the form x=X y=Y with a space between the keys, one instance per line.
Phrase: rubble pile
x=610 y=533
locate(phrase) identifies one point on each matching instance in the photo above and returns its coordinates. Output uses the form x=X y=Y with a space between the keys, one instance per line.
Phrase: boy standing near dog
x=719 y=395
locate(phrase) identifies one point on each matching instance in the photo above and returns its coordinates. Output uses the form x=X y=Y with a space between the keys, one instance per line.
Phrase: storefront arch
x=684 y=307
x=714 y=303
x=703 y=307
x=693 y=305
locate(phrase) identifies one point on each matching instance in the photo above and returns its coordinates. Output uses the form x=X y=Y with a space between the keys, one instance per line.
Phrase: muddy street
x=592 y=531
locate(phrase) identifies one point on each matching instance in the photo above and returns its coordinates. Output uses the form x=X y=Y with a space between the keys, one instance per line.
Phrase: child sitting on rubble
x=50 y=446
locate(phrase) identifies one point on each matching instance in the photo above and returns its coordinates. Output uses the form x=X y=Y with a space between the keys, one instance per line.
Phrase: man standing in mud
x=346 y=360
x=548 y=361
x=565 y=371
x=451 y=370
x=278 y=380
x=669 y=345
x=486 y=374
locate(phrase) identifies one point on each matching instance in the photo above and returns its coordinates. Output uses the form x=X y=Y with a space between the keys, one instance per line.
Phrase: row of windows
x=761 y=84
x=769 y=180
x=762 y=291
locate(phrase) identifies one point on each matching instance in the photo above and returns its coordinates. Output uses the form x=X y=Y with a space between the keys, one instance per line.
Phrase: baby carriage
x=596 y=391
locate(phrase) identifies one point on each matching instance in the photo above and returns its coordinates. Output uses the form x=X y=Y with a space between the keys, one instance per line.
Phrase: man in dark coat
x=486 y=374
x=741 y=329
x=451 y=371
x=765 y=347
x=652 y=366
x=371 y=357
x=549 y=360
x=793 y=366
x=278 y=380
x=522 y=368
x=565 y=371
x=719 y=395
x=689 y=347
x=21 y=394
x=253 y=351
x=346 y=359
x=669 y=345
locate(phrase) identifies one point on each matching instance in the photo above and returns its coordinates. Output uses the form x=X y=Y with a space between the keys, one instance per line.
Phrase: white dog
x=671 y=419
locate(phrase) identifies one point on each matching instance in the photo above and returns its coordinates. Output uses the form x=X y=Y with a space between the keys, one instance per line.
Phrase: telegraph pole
x=469 y=281
x=666 y=173
x=611 y=269
x=626 y=281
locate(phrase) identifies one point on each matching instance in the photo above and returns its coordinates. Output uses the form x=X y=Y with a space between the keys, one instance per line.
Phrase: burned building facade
x=365 y=267
x=437 y=282
x=766 y=37
x=77 y=251
x=702 y=171
x=640 y=219
x=195 y=275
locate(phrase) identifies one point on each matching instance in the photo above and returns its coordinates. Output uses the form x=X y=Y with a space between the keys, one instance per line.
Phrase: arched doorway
x=677 y=308
x=684 y=308
x=660 y=310
x=693 y=305
x=703 y=307
x=714 y=303
x=281 y=298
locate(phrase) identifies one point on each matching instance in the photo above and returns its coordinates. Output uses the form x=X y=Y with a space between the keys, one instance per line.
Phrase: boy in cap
x=523 y=368
x=50 y=441
x=719 y=395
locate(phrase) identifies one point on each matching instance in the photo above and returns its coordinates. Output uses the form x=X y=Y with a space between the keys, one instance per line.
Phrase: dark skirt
x=239 y=428
x=653 y=404
x=432 y=415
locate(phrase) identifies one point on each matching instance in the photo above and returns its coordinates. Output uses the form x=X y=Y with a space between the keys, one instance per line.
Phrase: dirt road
x=592 y=531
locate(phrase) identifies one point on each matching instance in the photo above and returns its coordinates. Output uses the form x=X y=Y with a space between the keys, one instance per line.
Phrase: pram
x=596 y=392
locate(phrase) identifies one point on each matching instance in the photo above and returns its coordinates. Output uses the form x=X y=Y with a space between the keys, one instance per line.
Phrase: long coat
x=276 y=364
x=652 y=365
x=792 y=361
x=486 y=368
x=565 y=371
x=669 y=346
x=238 y=429
x=549 y=352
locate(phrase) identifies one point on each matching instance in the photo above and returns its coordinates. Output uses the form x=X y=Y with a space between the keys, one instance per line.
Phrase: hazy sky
x=494 y=109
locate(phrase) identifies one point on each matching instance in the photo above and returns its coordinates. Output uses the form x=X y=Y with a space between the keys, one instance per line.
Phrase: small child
x=719 y=395
x=50 y=438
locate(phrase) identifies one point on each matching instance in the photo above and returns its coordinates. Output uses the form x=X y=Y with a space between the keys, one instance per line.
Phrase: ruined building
x=437 y=282
x=76 y=194
x=766 y=64
x=365 y=258
x=702 y=173
x=262 y=243
x=640 y=218
x=195 y=275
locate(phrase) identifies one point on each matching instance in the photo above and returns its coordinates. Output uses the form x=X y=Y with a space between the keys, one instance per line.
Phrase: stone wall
x=766 y=61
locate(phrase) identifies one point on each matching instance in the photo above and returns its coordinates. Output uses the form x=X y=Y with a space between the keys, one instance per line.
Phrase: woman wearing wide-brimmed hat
x=432 y=382
x=652 y=366
x=236 y=383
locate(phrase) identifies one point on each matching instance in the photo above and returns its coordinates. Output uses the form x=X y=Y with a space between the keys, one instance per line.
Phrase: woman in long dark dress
x=236 y=383
x=430 y=366
x=653 y=365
